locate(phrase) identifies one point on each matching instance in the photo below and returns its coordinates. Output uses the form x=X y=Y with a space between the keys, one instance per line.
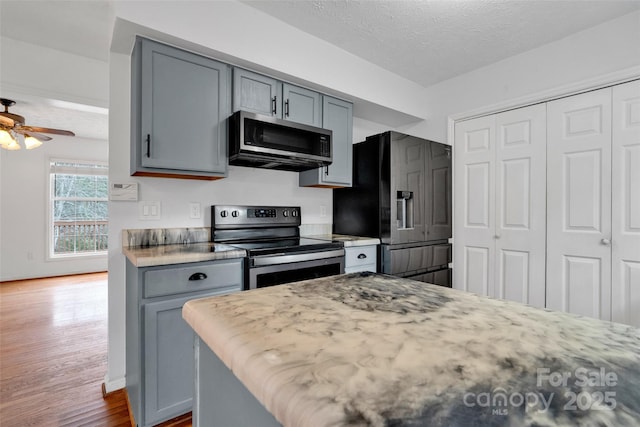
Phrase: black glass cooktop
x=300 y=244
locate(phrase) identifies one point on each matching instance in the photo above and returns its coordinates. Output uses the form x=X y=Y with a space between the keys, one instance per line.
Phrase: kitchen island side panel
x=368 y=349
x=221 y=400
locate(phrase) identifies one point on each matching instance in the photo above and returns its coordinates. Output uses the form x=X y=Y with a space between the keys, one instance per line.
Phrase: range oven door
x=278 y=274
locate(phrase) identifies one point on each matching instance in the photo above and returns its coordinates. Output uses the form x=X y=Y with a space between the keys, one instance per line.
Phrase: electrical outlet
x=323 y=211
x=194 y=210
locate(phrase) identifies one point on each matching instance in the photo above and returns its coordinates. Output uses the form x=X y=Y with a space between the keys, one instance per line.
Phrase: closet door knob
x=605 y=242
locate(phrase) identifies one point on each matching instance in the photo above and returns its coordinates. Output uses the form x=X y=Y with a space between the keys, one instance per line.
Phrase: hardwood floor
x=53 y=355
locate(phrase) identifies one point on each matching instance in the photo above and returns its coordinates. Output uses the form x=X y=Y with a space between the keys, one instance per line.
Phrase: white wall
x=568 y=64
x=24 y=174
x=24 y=203
x=29 y=69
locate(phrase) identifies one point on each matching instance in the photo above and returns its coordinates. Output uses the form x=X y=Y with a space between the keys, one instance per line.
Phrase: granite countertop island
x=373 y=350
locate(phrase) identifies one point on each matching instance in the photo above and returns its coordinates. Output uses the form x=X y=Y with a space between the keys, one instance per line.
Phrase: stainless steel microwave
x=267 y=142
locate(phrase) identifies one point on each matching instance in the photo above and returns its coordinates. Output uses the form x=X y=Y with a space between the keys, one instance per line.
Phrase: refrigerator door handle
x=404 y=206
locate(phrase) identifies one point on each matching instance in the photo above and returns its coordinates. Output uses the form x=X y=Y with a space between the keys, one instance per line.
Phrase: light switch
x=148 y=210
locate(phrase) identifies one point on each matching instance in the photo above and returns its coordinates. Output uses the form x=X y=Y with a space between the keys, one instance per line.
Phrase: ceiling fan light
x=5 y=138
x=13 y=145
x=30 y=142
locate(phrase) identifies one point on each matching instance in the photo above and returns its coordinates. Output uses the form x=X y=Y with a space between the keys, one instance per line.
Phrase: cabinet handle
x=273 y=105
x=362 y=256
x=326 y=170
x=197 y=276
x=286 y=108
x=148 y=145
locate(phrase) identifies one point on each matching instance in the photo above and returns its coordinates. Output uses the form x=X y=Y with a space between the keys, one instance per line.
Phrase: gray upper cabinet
x=180 y=103
x=301 y=105
x=337 y=115
x=262 y=94
x=256 y=93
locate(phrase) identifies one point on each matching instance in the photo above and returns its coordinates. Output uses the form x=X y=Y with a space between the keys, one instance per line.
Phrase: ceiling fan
x=12 y=127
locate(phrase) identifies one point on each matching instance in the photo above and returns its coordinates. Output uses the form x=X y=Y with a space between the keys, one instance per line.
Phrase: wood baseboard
x=122 y=391
x=131 y=420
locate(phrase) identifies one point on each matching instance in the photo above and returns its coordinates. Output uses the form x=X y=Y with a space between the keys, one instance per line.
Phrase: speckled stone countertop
x=373 y=350
x=180 y=253
x=164 y=246
x=347 y=240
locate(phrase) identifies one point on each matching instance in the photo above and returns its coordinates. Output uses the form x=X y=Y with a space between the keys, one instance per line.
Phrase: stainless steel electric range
x=276 y=252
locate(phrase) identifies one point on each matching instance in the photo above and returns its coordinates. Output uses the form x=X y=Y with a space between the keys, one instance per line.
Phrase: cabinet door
x=256 y=93
x=168 y=360
x=520 y=211
x=301 y=105
x=625 y=253
x=184 y=106
x=474 y=201
x=337 y=116
x=579 y=204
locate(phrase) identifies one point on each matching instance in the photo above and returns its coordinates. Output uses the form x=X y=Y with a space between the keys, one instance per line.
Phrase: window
x=79 y=210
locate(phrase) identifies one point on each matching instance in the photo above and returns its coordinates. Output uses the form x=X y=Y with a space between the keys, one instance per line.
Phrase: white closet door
x=521 y=205
x=625 y=254
x=474 y=201
x=579 y=204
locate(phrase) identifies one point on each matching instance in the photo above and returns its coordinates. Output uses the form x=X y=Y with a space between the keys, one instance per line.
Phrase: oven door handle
x=290 y=258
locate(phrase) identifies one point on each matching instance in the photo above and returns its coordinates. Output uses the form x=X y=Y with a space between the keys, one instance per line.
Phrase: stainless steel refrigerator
x=401 y=194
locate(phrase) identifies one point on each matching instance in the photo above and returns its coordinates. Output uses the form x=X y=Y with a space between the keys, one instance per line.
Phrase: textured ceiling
x=431 y=41
x=425 y=41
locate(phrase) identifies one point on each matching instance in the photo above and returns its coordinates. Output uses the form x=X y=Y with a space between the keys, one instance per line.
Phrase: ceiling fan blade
x=47 y=130
x=6 y=121
x=36 y=135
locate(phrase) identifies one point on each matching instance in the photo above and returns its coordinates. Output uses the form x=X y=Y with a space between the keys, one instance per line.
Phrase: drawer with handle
x=359 y=256
x=193 y=278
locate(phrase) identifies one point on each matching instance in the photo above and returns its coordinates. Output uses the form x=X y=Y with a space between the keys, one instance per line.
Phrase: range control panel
x=234 y=216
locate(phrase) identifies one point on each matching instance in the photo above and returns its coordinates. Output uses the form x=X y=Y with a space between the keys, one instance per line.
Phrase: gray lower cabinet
x=265 y=95
x=337 y=115
x=180 y=103
x=159 y=343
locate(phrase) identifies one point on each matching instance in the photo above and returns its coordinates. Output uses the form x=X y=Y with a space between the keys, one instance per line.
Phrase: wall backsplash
x=170 y=236
x=164 y=236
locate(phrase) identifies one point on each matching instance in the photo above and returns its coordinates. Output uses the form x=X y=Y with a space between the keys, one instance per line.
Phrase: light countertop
x=348 y=241
x=358 y=349
x=180 y=253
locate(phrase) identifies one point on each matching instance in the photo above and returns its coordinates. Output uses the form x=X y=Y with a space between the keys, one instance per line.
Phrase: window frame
x=51 y=171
